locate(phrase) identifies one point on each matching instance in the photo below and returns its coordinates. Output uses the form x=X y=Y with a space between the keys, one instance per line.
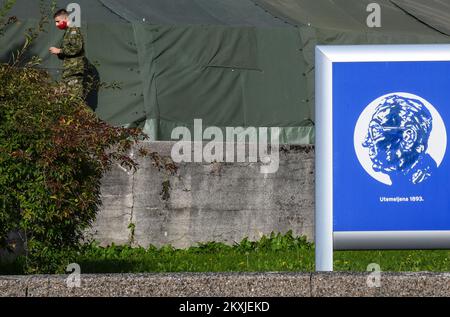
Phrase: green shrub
x=53 y=153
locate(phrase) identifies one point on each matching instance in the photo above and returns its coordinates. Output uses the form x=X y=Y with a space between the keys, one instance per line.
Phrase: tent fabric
x=227 y=62
x=345 y=15
x=434 y=13
x=194 y=12
x=222 y=85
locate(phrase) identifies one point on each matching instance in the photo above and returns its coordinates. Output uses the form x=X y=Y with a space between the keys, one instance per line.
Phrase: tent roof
x=162 y=12
x=92 y=10
x=434 y=13
x=351 y=15
x=207 y=12
x=416 y=17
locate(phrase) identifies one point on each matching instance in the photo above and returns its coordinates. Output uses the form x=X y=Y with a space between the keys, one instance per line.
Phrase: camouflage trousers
x=75 y=86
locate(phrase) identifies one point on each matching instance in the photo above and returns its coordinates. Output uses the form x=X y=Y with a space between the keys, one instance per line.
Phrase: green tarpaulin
x=231 y=63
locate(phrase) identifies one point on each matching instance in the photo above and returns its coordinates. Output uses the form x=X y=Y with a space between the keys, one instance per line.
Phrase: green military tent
x=231 y=63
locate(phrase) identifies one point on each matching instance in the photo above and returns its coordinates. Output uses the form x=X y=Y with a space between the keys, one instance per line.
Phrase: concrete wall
x=208 y=201
x=229 y=284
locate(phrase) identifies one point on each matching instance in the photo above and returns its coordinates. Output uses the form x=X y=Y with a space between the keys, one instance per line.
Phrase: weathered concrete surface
x=230 y=285
x=208 y=201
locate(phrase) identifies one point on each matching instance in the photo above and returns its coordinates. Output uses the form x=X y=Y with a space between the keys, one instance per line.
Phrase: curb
x=335 y=284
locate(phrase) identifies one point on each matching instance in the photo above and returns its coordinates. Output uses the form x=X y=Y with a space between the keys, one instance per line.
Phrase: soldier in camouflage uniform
x=71 y=51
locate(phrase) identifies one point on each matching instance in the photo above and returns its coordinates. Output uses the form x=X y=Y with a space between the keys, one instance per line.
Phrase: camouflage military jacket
x=72 y=54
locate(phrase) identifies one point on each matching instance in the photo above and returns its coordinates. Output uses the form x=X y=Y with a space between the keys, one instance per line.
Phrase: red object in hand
x=62 y=25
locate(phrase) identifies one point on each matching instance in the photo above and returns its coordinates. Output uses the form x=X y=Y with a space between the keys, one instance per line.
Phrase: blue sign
x=382 y=167
x=391 y=170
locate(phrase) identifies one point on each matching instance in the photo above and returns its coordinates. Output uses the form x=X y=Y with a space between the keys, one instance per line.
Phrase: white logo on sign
x=400 y=137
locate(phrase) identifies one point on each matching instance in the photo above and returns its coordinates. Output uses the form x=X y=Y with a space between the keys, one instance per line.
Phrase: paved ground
x=230 y=284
